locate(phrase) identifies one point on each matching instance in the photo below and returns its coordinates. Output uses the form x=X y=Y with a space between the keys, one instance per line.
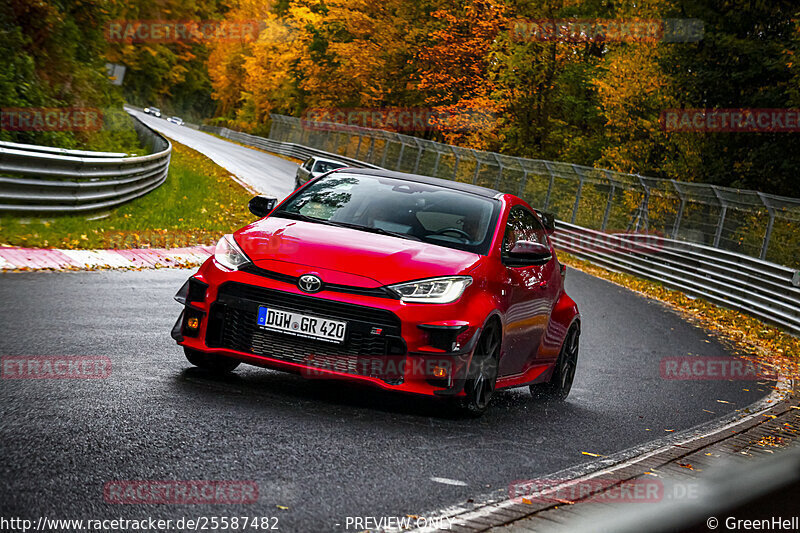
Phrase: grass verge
x=197 y=204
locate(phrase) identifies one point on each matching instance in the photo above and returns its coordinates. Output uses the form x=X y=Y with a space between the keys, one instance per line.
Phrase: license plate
x=300 y=325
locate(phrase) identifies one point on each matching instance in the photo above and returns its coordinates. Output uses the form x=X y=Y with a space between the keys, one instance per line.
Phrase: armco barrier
x=39 y=179
x=759 y=288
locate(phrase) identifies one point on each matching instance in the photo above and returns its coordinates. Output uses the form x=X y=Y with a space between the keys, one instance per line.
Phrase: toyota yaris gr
x=409 y=283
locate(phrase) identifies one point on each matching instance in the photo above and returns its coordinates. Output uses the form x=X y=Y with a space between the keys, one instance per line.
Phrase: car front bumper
x=414 y=348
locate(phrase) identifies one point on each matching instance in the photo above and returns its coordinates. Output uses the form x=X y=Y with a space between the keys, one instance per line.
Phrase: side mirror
x=548 y=221
x=261 y=206
x=525 y=253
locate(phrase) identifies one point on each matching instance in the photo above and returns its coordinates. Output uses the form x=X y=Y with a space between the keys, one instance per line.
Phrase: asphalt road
x=324 y=451
x=265 y=173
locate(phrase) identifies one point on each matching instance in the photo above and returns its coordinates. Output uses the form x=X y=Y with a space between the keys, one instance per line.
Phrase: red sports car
x=410 y=283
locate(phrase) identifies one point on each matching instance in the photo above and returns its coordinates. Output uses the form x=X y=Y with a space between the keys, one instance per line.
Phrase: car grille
x=232 y=325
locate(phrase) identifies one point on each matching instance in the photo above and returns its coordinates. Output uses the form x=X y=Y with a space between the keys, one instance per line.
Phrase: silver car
x=314 y=167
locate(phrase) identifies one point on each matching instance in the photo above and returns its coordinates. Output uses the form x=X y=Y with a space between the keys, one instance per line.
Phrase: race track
x=323 y=450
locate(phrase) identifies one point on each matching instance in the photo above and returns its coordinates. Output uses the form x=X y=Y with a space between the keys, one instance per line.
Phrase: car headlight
x=434 y=290
x=228 y=254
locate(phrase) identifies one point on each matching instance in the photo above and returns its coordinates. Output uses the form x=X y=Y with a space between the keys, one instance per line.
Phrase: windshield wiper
x=304 y=218
x=381 y=231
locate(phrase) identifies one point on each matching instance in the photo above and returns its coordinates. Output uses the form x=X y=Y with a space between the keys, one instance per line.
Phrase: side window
x=523 y=226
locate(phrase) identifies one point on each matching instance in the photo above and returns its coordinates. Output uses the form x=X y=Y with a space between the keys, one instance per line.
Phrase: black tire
x=215 y=364
x=564 y=373
x=482 y=373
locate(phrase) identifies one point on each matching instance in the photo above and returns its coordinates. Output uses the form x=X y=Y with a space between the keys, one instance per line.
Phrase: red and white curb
x=14 y=258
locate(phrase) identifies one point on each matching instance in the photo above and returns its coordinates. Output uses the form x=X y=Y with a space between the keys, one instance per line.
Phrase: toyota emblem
x=309 y=283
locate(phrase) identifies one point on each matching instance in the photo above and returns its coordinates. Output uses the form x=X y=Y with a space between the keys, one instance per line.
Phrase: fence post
x=610 y=200
x=436 y=165
x=400 y=155
x=477 y=166
x=643 y=211
x=682 y=196
x=581 y=177
x=370 y=149
x=455 y=167
x=499 y=171
x=335 y=145
x=419 y=155
x=358 y=146
x=722 y=213
x=550 y=186
x=385 y=151
x=523 y=182
x=770 y=224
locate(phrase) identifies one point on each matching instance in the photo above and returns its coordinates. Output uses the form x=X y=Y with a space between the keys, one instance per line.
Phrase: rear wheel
x=482 y=375
x=564 y=374
x=215 y=364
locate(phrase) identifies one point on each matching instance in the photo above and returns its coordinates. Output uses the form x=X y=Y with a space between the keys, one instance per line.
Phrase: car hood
x=346 y=256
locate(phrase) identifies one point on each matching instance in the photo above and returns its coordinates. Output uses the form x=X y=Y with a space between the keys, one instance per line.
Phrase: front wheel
x=564 y=373
x=482 y=376
x=216 y=364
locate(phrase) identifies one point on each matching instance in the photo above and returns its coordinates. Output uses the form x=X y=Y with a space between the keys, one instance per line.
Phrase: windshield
x=326 y=166
x=406 y=209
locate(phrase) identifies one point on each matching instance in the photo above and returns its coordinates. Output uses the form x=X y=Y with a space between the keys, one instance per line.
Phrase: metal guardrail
x=41 y=179
x=747 y=222
x=760 y=288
